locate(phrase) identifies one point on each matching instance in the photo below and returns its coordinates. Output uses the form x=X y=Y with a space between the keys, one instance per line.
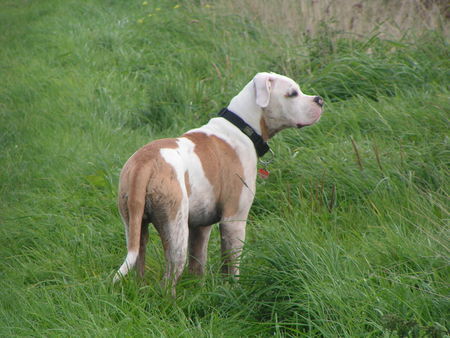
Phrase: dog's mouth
x=301 y=125
x=317 y=118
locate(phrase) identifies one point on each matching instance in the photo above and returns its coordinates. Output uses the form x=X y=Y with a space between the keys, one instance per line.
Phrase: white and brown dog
x=184 y=185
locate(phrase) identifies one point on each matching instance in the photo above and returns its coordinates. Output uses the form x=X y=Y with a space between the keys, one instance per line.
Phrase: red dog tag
x=263 y=173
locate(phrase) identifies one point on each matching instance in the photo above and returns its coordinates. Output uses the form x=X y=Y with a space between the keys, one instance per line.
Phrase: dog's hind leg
x=174 y=237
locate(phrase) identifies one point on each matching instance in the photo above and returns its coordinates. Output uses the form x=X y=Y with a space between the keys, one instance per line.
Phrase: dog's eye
x=294 y=93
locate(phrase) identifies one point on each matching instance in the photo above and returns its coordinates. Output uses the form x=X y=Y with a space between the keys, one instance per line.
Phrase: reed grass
x=349 y=235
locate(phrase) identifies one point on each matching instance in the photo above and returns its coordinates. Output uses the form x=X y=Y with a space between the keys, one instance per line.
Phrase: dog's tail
x=135 y=205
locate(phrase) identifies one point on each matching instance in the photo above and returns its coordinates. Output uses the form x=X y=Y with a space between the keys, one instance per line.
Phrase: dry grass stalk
x=391 y=18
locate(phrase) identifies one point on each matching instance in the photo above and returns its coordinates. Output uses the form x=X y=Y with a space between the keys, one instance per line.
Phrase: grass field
x=348 y=237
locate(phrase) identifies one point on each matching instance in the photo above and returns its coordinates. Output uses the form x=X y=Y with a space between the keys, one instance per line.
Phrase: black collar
x=261 y=146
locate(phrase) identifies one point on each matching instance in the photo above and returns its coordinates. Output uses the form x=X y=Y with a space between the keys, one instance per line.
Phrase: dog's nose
x=318 y=100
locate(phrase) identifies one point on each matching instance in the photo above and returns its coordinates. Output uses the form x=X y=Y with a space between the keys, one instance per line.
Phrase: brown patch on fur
x=264 y=129
x=223 y=169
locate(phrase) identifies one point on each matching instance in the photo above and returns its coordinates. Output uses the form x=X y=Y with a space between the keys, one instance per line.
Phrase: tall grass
x=349 y=235
x=358 y=18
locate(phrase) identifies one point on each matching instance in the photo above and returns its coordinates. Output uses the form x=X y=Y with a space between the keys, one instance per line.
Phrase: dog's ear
x=263 y=86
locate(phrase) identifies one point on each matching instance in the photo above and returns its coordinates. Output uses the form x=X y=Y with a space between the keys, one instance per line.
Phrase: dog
x=184 y=185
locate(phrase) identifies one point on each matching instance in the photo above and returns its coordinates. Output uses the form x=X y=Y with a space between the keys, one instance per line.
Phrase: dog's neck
x=244 y=105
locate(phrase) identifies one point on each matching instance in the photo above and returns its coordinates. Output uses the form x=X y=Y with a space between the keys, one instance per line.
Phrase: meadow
x=348 y=236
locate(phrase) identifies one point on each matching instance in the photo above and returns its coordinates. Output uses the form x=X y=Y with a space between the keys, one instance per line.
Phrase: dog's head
x=283 y=103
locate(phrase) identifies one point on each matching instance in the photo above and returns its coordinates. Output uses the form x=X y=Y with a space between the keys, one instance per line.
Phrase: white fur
x=130 y=261
x=202 y=192
x=281 y=111
x=265 y=101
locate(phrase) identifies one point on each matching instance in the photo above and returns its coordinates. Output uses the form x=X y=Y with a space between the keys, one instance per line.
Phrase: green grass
x=348 y=237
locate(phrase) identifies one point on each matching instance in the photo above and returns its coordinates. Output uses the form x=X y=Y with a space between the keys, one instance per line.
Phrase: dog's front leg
x=232 y=234
x=198 y=249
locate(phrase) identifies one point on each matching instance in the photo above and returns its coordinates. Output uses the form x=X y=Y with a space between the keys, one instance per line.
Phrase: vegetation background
x=349 y=235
